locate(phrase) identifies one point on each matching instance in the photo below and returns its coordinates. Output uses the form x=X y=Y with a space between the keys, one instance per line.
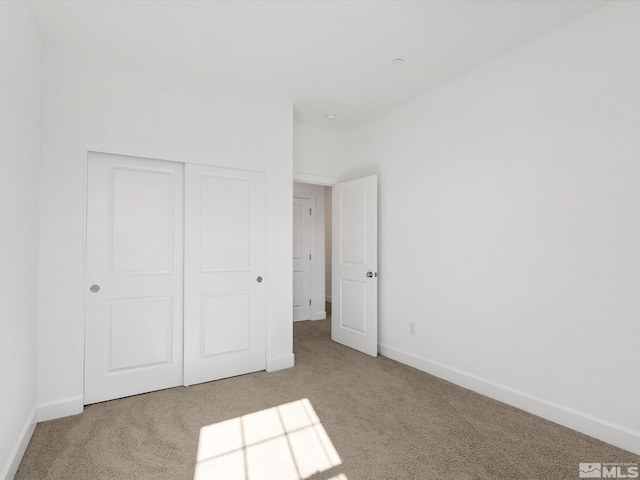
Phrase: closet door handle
x=259 y=279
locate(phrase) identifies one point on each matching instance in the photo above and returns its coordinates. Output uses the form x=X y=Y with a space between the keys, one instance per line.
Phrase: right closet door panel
x=224 y=278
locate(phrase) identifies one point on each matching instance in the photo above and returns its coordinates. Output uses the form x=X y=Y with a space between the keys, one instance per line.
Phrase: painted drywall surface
x=509 y=219
x=89 y=99
x=327 y=242
x=317 y=255
x=20 y=73
x=318 y=151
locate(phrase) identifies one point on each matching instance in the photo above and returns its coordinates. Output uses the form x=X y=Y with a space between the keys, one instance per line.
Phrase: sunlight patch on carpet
x=286 y=442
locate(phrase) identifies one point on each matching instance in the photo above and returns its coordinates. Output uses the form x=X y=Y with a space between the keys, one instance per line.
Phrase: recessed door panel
x=225 y=223
x=226 y=323
x=141 y=214
x=298 y=298
x=353 y=309
x=140 y=332
x=297 y=229
x=353 y=227
x=134 y=277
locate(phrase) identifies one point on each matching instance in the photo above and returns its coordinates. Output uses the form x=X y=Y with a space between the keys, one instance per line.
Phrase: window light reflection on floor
x=286 y=442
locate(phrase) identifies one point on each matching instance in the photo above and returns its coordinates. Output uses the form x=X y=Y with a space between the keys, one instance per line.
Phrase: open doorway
x=311 y=251
x=335 y=258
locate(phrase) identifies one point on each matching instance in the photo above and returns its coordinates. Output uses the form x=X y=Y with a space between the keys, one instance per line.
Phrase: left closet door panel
x=134 y=276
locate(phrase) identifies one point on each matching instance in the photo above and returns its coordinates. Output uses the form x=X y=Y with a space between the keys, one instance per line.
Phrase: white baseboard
x=280 y=363
x=327 y=298
x=60 y=408
x=608 y=432
x=319 y=316
x=10 y=469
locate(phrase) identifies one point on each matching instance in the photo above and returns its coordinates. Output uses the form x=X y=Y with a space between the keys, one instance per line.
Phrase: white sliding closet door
x=225 y=264
x=133 y=328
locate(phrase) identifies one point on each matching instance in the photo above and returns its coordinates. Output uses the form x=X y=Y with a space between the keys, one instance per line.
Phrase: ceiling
x=328 y=56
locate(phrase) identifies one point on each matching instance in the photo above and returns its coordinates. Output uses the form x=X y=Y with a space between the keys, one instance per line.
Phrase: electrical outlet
x=412 y=328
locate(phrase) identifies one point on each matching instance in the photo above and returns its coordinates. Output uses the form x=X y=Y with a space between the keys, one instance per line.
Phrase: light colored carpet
x=385 y=421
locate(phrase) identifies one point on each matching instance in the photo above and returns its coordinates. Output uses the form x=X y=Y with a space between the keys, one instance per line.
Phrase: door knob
x=259 y=279
x=95 y=288
x=369 y=274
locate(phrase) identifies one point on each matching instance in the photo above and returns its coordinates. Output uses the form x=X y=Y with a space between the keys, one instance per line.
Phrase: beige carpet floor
x=384 y=420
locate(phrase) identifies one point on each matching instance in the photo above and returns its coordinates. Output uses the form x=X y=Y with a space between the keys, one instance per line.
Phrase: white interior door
x=134 y=273
x=301 y=259
x=354 y=313
x=225 y=261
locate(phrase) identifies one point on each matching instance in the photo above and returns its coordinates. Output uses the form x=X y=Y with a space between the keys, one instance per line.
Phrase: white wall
x=510 y=226
x=318 y=151
x=20 y=70
x=91 y=100
x=316 y=193
x=327 y=241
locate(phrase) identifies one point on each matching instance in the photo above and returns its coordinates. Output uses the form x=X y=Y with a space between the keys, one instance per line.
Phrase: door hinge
x=309 y=301
x=309 y=211
x=309 y=256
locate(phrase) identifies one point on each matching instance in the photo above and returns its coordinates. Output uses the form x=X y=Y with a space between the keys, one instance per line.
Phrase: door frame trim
x=315 y=179
x=178 y=156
